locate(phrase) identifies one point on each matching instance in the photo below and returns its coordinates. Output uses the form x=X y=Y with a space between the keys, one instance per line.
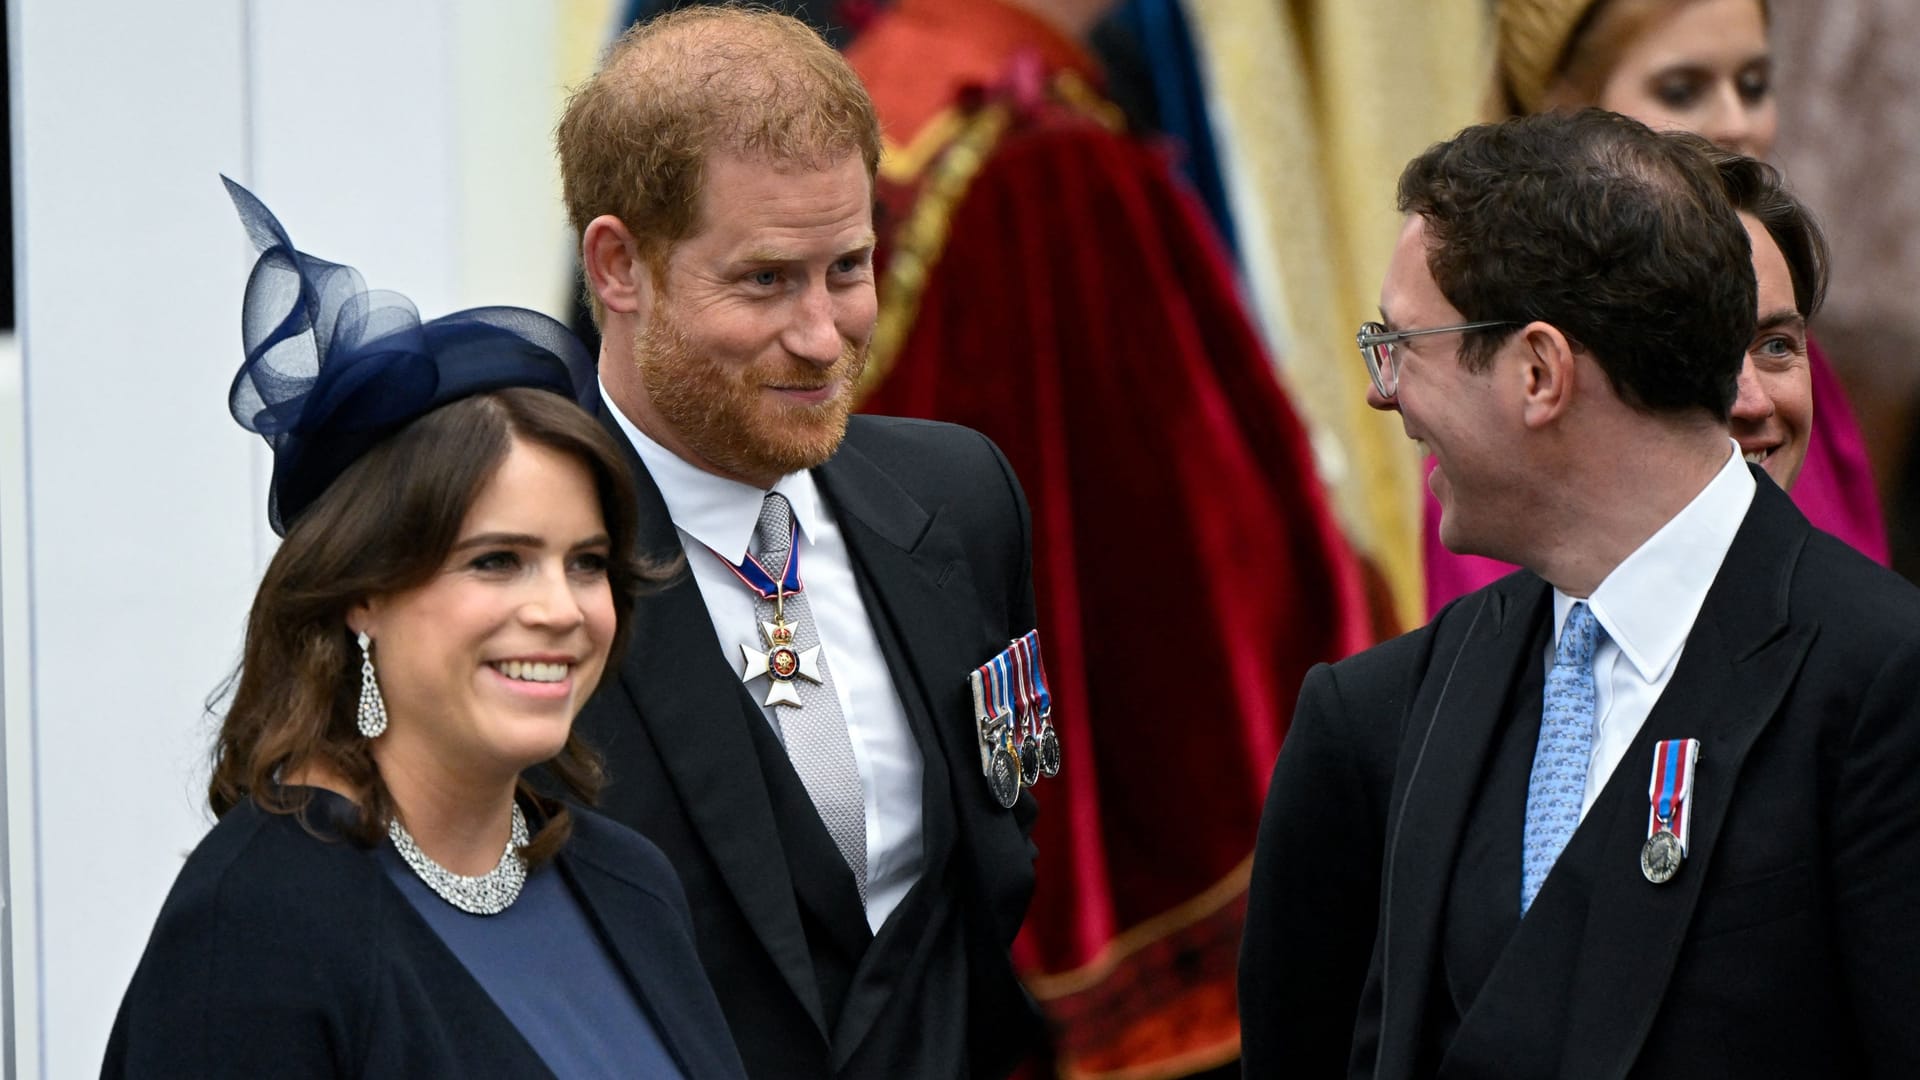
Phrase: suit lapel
x=700 y=722
x=915 y=583
x=1450 y=731
x=822 y=881
x=904 y=939
x=1740 y=660
x=612 y=905
x=917 y=579
x=1601 y=937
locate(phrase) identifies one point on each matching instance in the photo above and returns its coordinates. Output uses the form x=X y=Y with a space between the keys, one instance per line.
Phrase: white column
x=409 y=140
x=140 y=492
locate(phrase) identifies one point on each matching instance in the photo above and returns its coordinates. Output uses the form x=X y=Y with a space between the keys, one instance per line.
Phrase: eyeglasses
x=1378 y=349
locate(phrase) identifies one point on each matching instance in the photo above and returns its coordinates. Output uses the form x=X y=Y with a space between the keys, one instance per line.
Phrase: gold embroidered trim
x=1178 y=1065
x=1052 y=985
x=1079 y=95
x=923 y=236
x=952 y=149
x=904 y=164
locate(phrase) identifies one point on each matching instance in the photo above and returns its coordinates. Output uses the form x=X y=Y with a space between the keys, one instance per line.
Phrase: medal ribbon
x=1037 y=673
x=1023 y=685
x=1003 y=701
x=1670 y=791
x=756 y=577
x=995 y=704
x=1013 y=686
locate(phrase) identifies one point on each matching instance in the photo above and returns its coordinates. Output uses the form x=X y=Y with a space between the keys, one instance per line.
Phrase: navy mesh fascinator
x=333 y=368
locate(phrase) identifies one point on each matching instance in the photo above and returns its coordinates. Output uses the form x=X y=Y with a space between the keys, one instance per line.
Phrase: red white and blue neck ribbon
x=1670 y=792
x=764 y=585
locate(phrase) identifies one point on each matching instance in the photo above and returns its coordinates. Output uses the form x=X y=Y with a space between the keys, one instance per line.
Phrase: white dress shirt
x=1647 y=606
x=713 y=514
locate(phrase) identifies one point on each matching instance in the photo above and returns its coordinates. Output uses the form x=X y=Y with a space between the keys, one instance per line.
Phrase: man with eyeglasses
x=1650 y=802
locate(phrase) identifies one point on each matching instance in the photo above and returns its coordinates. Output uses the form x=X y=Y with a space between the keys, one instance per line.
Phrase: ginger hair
x=676 y=90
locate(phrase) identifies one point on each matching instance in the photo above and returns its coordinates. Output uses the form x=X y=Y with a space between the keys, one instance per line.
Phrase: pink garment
x=1835 y=490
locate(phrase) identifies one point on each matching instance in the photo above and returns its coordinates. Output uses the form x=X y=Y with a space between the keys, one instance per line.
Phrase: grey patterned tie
x=815 y=734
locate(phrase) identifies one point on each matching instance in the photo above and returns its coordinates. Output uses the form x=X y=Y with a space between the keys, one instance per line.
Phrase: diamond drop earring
x=373 y=710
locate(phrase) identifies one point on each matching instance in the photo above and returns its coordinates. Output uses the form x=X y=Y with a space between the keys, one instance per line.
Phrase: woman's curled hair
x=387 y=524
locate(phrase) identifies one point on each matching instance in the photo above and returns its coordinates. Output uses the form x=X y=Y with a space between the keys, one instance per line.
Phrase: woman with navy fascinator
x=384 y=894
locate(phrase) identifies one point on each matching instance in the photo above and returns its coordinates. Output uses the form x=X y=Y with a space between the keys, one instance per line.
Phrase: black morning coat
x=937 y=530
x=1788 y=944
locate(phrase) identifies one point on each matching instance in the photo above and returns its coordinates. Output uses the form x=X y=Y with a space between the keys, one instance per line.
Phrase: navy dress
x=552 y=973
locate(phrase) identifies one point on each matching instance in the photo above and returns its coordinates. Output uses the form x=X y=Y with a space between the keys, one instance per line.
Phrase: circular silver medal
x=1049 y=752
x=1660 y=857
x=1003 y=776
x=1029 y=760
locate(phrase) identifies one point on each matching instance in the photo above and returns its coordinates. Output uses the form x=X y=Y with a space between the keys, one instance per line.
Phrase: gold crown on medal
x=781 y=635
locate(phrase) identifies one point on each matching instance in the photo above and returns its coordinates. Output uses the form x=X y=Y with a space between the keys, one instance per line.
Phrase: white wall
x=139 y=491
x=407 y=139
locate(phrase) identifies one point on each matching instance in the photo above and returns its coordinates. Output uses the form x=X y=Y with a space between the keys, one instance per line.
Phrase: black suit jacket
x=281 y=954
x=937 y=530
x=1786 y=945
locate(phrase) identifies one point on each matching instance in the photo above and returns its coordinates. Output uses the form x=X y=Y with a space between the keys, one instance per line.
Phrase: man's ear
x=1548 y=364
x=615 y=272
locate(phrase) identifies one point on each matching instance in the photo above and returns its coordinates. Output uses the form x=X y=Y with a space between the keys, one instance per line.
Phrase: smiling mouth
x=1758 y=457
x=533 y=671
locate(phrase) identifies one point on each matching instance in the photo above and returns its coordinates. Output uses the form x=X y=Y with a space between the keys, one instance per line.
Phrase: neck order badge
x=782 y=662
x=1018 y=744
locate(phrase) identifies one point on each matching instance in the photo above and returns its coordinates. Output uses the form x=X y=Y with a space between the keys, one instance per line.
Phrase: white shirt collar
x=714 y=510
x=1648 y=603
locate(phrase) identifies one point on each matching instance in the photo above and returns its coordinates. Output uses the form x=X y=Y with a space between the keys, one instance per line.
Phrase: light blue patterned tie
x=1559 y=780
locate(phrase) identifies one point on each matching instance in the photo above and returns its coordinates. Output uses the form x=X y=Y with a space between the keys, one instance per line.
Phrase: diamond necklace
x=488 y=894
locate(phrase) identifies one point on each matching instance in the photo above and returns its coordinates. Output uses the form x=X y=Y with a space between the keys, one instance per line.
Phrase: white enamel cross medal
x=782 y=662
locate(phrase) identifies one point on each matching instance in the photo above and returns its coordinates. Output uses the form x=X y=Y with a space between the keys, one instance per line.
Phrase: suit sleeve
x=1876 y=866
x=1313 y=900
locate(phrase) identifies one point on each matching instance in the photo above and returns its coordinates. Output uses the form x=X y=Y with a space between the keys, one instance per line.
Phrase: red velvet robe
x=1046 y=280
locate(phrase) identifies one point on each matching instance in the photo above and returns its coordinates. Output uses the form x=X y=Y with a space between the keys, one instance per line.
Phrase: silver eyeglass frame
x=1383 y=363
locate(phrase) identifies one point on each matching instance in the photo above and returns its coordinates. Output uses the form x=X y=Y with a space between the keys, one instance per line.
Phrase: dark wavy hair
x=1620 y=237
x=1757 y=188
x=385 y=525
